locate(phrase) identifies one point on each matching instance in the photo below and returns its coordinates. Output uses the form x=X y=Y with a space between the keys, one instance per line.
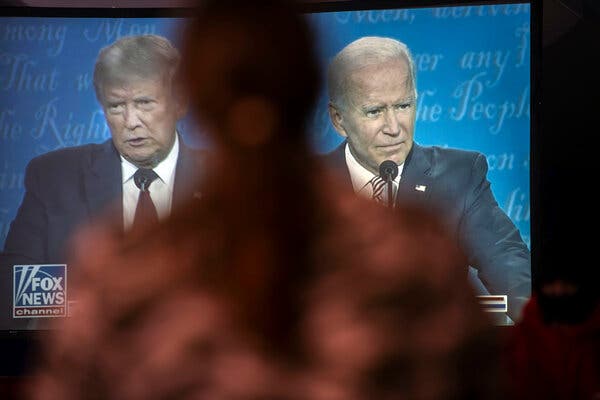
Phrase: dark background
x=568 y=137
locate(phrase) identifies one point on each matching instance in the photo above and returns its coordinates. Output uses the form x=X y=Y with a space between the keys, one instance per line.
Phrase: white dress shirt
x=161 y=190
x=361 y=176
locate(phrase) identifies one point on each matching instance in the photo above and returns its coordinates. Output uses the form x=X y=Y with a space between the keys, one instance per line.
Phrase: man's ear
x=337 y=119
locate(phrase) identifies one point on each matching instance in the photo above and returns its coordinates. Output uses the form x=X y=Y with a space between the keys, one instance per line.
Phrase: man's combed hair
x=365 y=51
x=143 y=56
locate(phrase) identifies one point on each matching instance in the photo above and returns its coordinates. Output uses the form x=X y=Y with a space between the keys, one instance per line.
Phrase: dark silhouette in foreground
x=275 y=283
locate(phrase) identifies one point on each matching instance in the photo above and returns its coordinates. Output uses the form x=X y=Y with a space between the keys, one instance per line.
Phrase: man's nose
x=391 y=122
x=131 y=117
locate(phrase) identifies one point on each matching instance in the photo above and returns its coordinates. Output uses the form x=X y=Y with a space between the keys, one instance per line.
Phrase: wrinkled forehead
x=391 y=75
x=128 y=82
x=397 y=67
x=121 y=76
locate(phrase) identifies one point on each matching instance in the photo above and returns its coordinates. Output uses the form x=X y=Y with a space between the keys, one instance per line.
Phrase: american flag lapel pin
x=420 y=188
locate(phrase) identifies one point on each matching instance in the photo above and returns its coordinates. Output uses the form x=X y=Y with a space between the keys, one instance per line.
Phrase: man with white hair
x=373 y=95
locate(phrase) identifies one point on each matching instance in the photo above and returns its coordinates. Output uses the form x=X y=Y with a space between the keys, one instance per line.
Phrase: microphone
x=388 y=170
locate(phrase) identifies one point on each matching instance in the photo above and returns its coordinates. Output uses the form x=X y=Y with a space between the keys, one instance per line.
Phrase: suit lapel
x=336 y=160
x=415 y=183
x=187 y=174
x=102 y=181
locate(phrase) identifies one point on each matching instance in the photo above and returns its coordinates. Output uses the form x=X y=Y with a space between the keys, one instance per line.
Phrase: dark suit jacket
x=68 y=187
x=456 y=186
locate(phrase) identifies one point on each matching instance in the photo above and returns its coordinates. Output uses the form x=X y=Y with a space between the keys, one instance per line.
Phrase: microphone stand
x=390 y=190
x=388 y=170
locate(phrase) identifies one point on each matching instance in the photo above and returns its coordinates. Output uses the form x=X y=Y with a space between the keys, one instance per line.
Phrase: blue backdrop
x=473 y=83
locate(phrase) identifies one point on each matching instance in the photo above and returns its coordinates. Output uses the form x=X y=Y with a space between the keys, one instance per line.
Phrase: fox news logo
x=39 y=291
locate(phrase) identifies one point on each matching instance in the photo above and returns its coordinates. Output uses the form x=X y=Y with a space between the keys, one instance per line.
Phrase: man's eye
x=144 y=104
x=373 y=113
x=403 y=106
x=115 y=108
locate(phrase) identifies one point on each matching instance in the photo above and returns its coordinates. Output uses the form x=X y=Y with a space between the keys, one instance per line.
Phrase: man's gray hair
x=362 y=52
x=143 y=56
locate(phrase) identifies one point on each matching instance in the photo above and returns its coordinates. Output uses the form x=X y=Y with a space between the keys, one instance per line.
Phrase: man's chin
x=396 y=153
x=397 y=158
x=144 y=161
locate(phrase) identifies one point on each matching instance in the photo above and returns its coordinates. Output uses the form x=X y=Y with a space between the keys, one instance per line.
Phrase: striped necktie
x=378 y=186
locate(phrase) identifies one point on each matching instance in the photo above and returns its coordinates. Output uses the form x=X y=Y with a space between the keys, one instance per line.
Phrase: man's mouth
x=136 y=141
x=389 y=147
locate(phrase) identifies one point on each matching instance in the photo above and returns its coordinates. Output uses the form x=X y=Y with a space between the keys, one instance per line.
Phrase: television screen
x=473 y=80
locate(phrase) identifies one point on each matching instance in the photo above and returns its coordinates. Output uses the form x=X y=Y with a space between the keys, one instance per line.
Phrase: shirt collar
x=164 y=169
x=361 y=176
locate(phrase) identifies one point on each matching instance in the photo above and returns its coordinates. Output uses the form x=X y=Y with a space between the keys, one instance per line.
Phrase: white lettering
x=427 y=112
x=9 y=129
x=111 y=30
x=522 y=34
x=53 y=34
x=486 y=59
x=517 y=207
x=23 y=78
x=427 y=62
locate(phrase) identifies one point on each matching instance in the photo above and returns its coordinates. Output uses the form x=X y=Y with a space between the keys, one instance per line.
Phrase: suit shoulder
x=335 y=158
x=67 y=156
x=198 y=154
x=452 y=157
x=191 y=157
x=450 y=153
x=336 y=151
x=452 y=163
